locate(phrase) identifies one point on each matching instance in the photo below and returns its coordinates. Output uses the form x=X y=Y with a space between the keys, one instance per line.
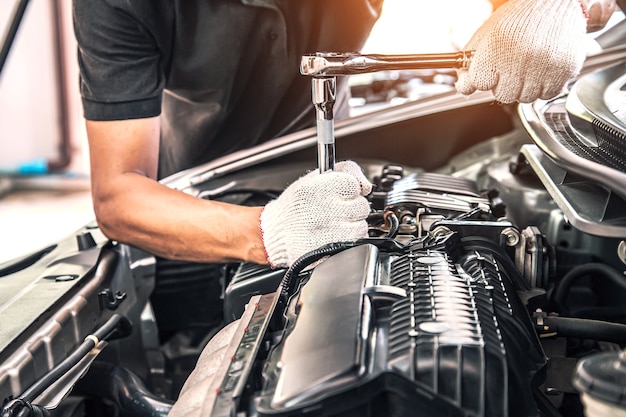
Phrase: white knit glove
x=315 y=210
x=527 y=49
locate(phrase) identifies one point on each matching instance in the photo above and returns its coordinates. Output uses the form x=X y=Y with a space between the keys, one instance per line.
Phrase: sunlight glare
x=425 y=26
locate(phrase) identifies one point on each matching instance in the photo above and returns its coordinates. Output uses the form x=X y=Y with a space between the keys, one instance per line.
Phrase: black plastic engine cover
x=436 y=331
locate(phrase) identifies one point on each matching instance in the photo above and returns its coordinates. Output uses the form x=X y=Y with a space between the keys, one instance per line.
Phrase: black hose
x=102 y=333
x=287 y=283
x=22 y=408
x=21 y=405
x=306 y=260
x=125 y=389
x=612 y=313
x=394 y=224
x=596 y=269
x=390 y=220
x=586 y=329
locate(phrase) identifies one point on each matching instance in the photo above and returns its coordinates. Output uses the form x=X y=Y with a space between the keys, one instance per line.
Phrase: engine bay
x=448 y=307
x=494 y=265
x=386 y=327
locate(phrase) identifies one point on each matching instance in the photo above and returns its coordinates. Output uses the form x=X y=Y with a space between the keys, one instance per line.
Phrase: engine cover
x=435 y=328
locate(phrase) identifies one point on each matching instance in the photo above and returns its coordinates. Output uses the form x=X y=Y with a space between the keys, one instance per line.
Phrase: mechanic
x=168 y=85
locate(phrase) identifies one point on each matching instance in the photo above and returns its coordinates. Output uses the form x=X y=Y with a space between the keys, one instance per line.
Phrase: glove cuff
x=271 y=234
x=583 y=7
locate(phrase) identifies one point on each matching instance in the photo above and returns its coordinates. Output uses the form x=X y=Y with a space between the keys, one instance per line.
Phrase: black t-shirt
x=223 y=74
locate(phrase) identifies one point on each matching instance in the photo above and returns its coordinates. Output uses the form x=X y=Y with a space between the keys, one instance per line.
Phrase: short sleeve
x=120 y=60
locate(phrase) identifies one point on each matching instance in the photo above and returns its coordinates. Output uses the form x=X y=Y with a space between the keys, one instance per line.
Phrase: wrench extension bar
x=323 y=67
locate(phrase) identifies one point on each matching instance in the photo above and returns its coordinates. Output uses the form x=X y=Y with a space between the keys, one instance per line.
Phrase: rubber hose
x=611 y=313
x=306 y=260
x=394 y=224
x=587 y=329
x=80 y=352
x=22 y=405
x=596 y=269
x=125 y=389
x=20 y=408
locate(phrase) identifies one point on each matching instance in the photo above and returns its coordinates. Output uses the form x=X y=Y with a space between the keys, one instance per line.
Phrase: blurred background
x=44 y=185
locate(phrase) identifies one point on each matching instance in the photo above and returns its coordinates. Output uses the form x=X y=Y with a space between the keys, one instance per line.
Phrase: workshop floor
x=37 y=215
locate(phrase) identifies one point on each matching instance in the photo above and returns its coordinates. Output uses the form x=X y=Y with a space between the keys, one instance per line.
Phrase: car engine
x=491 y=282
x=401 y=322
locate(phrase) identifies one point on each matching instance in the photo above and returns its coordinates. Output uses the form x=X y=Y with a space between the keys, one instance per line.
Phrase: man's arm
x=598 y=13
x=132 y=207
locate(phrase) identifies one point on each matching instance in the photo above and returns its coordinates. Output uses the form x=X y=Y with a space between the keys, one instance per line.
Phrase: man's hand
x=528 y=49
x=315 y=210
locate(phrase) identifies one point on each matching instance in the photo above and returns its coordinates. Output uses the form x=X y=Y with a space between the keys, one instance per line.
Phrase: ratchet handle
x=323 y=64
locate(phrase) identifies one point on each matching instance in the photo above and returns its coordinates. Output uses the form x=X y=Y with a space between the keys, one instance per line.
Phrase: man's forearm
x=598 y=13
x=141 y=212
